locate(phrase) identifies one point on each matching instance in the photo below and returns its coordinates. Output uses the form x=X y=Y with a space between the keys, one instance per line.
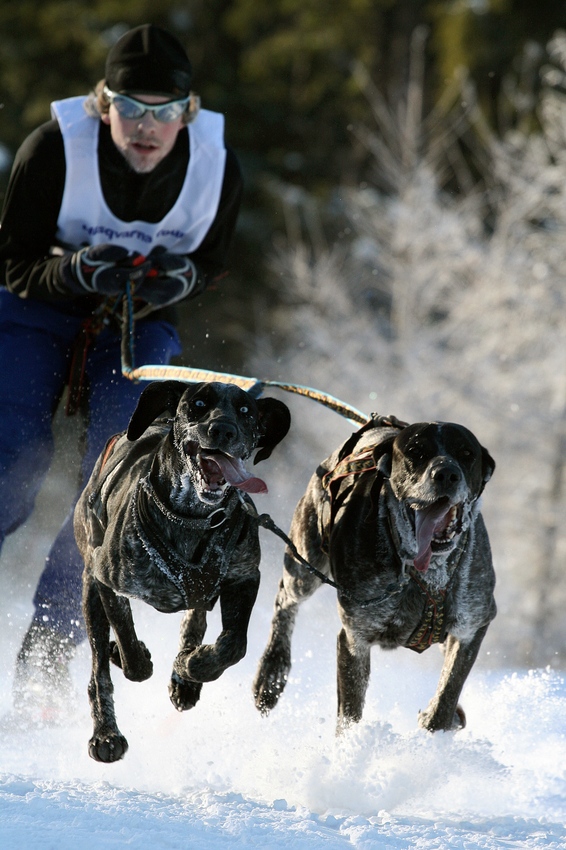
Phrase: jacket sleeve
x=29 y=217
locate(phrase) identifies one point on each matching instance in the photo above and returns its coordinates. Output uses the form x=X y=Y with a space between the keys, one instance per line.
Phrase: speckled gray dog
x=393 y=518
x=163 y=519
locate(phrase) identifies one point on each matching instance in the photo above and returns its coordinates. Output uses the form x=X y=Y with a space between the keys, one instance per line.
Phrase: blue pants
x=35 y=352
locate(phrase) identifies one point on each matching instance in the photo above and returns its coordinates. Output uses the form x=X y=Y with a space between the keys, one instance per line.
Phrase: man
x=129 y=190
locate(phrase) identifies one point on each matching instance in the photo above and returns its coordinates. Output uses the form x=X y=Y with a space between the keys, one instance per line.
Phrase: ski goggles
x=131 y=109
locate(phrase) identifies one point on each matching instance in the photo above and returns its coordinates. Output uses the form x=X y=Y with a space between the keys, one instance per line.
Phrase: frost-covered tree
x=452 y=306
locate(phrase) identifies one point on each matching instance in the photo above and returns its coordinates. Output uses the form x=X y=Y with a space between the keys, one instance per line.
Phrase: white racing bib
x=85 y=218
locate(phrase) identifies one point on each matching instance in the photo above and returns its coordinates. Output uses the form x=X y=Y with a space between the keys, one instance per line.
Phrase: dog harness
x=352 y=462
x=431 y=628
x=338 y=483
x=216 y=535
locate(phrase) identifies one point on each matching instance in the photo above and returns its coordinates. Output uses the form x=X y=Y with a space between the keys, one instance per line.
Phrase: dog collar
x=208 y=523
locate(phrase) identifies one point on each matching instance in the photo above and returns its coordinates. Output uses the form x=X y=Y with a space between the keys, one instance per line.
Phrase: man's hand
x=105 y=269
x=171 y=278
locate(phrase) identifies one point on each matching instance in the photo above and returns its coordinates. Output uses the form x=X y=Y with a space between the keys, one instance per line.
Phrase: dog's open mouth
x=436 y=525
x=217 y=470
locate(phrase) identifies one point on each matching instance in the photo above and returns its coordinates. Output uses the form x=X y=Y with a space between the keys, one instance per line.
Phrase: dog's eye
x=416 y=451
x=200 y=403
x=244 y=409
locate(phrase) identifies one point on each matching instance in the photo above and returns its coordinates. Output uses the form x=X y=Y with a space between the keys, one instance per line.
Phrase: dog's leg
x=128 y=652
x=443 y=711
x=107 y=743
x=296 y=585
x=207 y=662
x=275 y=663
x=182 y=693
x=353 y=670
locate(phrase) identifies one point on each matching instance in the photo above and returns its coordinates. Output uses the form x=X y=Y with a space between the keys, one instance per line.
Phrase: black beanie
x=148 y=60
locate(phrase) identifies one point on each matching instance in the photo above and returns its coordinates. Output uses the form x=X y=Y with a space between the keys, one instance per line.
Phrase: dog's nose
x=222 y=432
x=446 y=473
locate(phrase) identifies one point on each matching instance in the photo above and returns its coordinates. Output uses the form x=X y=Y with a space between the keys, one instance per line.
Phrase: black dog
x=163 y=519
x=393 y=517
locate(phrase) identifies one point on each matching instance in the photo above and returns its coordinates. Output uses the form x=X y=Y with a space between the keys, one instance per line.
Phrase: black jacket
x=35 y=192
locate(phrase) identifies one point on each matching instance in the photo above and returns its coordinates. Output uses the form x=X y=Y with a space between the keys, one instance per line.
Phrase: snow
x=221 y=776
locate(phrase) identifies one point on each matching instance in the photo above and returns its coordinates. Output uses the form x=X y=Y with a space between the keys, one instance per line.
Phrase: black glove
x=171 y=278
x=105 y=269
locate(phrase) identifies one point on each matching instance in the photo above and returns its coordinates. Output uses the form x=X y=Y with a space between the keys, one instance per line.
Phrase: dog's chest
x=408 y=614
x=387 y=602
x=169 y=561
x=173 y=584
x=193 y=554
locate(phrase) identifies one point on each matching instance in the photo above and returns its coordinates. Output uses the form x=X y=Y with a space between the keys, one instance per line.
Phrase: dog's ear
x=488 y=466
x=383 y=464
x=383 y=456
x=158 y=397
x=274 y=422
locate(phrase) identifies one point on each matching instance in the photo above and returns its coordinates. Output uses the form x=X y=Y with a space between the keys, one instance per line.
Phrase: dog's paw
x=107 y=748
x=138 y=668
x=459 y=719
x=183 y=694
x=207 y=662
x=268 y=686
x=344 y=725
x=198 y=664
x=433 y=722
x=115 y=657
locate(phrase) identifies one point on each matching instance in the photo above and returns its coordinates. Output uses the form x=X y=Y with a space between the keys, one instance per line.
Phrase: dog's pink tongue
x=236 y=474
x=427 y=522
